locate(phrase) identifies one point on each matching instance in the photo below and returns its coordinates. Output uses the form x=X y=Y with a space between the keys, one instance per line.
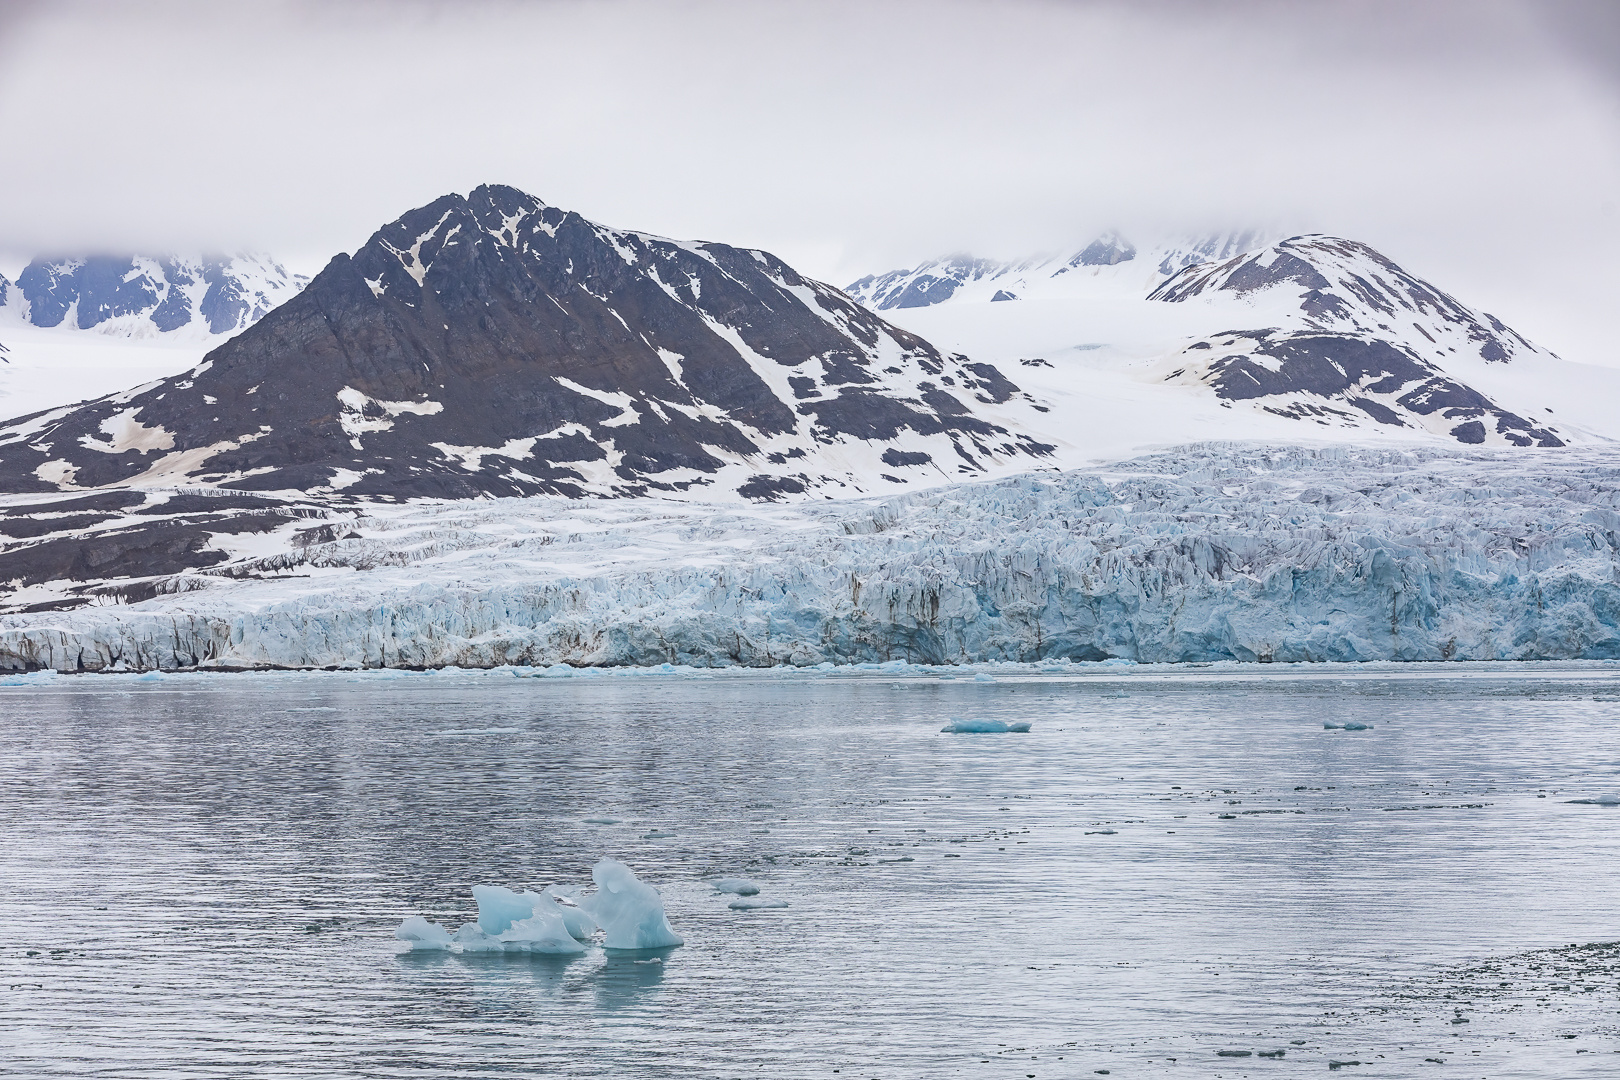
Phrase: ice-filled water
x=1172 y=873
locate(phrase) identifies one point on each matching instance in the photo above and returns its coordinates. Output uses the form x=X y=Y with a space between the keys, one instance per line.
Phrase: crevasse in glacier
x=1211 y=552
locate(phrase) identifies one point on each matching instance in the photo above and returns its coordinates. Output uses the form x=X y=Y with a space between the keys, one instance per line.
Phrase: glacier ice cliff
x=1209 y=552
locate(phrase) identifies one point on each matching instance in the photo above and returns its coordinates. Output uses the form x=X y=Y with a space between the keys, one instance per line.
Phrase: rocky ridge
x=490 y=344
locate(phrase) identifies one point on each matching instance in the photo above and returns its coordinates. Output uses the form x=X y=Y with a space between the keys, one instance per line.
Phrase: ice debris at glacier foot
x=985 y=727
x=1207 y=553
x=558 y=920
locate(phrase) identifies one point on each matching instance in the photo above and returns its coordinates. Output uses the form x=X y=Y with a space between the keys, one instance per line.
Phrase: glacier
x=1209 y=552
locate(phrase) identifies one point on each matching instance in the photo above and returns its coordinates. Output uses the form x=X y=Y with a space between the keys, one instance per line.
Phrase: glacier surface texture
x=1211 y=552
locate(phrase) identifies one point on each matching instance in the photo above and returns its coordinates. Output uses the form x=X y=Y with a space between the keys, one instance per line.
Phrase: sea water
x=1173 y=872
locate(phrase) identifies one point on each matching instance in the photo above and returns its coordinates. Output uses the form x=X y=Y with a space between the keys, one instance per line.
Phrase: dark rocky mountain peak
x=491 y=344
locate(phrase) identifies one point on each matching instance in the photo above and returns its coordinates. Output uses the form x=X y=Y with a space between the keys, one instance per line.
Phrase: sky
x=1475 y=142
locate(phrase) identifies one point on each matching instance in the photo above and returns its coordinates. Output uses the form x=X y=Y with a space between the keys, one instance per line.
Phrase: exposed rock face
x=1347 y=286
x=495 y=345
x=1361 y=338
x=143 y=295
x=1108 y=250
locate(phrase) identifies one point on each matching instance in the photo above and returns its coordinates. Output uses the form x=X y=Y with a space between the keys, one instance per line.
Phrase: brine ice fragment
x=629 y=910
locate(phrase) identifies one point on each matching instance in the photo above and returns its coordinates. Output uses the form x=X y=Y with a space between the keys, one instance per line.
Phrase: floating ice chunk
x=755 y=905
x=1348 y=725
x=546 y=931
x=1608 y=799
x=629 y=910
x=567 y=899
x=423 y=935
x=602 y=821
x=151 y=676
x=984 y=677
x=473 y=940
x=985 y=727
x=739 y=885
x=499 y=908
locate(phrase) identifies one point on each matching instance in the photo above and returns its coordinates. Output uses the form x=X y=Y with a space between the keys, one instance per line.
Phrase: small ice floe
x=656 y=835
x=558 y=920
x=740 y=886
x=1348 y=725
x=756 y=905
x=423 y=935
x=984 y=676
x=631 y=912
x=151 y=676
x=602 y=821
x=1608 y=799
x=985 y=727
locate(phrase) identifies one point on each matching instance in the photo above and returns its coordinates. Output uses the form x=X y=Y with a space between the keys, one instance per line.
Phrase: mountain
x=491 y=344
x=1110 y=264
x=1344 y=335
x=146 y=296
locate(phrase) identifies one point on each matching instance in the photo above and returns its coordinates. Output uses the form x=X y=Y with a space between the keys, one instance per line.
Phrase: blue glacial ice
x=985 y=727
x=630 y=911
x=1213 y=552
x=558 y=920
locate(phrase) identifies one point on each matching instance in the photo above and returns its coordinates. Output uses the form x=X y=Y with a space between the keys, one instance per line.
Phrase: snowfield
x=1211 y=552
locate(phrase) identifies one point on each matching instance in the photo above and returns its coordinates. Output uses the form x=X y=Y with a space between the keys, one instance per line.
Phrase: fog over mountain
x=845 y=138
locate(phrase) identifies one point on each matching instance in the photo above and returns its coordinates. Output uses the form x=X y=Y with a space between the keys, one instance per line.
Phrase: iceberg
x=422 y=934
x=557 y=920
x=630 y=911
x=985 y=727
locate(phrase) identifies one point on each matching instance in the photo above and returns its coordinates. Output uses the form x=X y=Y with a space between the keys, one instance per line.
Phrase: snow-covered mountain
x=1320 y=331
x=144 y=296
x=1109 y=265
x=491 y=344
x=1345 y=336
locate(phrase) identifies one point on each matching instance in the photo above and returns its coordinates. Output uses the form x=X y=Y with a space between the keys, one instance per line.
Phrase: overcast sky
x=1475 y=142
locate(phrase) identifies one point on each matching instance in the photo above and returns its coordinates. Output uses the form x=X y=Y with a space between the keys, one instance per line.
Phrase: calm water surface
x=201 y=876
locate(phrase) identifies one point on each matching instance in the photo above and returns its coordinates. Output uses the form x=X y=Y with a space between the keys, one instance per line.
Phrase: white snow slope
x=1215 y=552
x=1123 y=373
x=142 y=317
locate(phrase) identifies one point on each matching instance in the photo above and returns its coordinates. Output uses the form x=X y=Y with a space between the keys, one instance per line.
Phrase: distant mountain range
x=1323 y=330
x=1109 y=263
x=491 y=344
x=144 y=296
